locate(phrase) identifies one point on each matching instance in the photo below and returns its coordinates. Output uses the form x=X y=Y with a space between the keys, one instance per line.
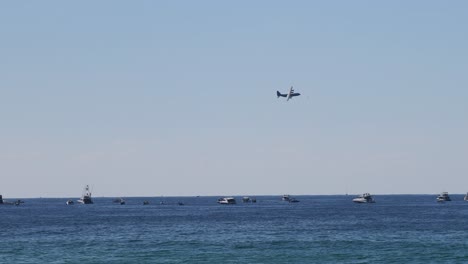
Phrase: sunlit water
x=318 y=229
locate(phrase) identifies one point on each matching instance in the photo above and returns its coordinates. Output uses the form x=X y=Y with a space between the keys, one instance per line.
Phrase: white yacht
x=86 y=198
x=286 y=198
x=466 y=197
x=365 y=198
x=443 y=197
x=227 y=200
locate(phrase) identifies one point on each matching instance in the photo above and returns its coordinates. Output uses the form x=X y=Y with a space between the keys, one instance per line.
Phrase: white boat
x=86 y=198
x=70 y=202
x=286 y=198
x=365 y=198
x=227 y=200
x=466 y=197
x=443 y=197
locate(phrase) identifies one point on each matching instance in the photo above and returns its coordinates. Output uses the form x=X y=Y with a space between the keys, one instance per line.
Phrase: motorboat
x=466 y=197
x=290 y=199
x=364 y=198
x=227 y=200
x=119 y=201
x=443 y=197
x=86 y=197
x=145 y=202
x=70 y=202
x=246 y=199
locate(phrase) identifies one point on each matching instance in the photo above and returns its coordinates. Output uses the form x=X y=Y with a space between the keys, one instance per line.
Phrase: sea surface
x=318 y=229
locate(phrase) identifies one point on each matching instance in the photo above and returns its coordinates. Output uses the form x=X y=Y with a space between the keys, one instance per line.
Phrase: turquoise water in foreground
x=318 y=229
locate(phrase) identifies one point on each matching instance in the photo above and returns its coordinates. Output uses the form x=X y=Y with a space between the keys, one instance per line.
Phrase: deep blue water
x=318 y=229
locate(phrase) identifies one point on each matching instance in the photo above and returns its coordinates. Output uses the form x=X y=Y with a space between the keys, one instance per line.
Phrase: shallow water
x=318 y=229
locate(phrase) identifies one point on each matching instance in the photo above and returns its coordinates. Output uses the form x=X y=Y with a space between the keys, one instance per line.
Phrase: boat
x=365 y=198
x=246 y=199
x=288 y=198
x=443 y=197
x=5 y=202
x=145 y=202
x=227 y=200
x=70 y=202
x=119 y=201
x=466 y=197
x=86 y=198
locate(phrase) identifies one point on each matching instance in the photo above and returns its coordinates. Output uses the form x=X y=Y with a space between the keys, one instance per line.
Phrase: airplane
x=289 y=95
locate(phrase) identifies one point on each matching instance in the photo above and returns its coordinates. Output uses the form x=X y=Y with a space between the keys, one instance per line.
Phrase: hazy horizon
x=174 y=98
x=351 y=195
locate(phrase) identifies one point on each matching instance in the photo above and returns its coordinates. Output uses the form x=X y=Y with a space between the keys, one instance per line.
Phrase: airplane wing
x=291 y=91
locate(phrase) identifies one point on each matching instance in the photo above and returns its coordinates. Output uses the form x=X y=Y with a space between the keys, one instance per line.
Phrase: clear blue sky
x=178 y=97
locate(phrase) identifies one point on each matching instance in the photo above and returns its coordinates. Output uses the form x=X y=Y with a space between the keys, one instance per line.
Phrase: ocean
x=318 y=229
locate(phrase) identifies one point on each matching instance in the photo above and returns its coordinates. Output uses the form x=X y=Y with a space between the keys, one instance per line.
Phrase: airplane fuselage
x=289 y=95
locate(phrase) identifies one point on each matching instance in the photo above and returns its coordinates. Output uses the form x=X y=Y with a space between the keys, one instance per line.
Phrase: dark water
x=318 y=229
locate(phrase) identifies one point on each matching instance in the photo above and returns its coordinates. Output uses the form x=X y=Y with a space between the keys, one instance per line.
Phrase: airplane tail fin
x=280 y=94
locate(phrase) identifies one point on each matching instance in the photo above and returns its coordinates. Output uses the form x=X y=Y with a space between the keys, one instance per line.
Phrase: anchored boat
x=86 y=197
x=365 y=198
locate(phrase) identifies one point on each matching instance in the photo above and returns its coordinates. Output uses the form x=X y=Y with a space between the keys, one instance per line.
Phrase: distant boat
x=227 y=200
x=288 y=198
x=443 y=197
x=86 y=198
x=70 y=202
x=365 y=198
x=145 y=202
x=466 y=197
x=247 y=199
x=4 y=202
x=120 y=201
